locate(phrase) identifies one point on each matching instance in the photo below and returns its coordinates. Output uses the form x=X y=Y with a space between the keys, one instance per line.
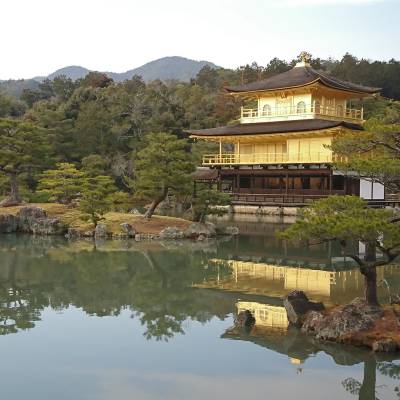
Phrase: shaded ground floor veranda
x=281 y=186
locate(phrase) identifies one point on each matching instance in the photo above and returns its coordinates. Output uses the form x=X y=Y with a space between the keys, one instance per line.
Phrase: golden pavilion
x=279 y=152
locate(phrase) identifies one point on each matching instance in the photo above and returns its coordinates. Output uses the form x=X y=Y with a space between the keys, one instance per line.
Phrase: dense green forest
x=98 y=124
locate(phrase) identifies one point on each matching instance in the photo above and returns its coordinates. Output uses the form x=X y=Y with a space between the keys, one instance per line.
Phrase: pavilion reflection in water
x=336 y=286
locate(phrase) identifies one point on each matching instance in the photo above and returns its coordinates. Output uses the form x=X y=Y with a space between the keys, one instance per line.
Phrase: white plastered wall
x=371 y=190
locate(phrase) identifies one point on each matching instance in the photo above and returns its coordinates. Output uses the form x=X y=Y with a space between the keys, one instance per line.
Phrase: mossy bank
x=59 y=219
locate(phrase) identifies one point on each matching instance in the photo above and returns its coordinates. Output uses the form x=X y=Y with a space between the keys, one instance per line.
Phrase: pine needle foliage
x=62 y=184
x=163 y=167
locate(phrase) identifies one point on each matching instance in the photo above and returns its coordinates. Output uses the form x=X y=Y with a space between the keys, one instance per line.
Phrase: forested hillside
x=103 y=124
x=166 y=68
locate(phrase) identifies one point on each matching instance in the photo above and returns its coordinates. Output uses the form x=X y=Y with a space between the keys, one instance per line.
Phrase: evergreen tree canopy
x=205 y=201
x=347 y=219
x=62 y=184
x=23 y=148
x=374 y=155
x=164 y=166
x=98 y=196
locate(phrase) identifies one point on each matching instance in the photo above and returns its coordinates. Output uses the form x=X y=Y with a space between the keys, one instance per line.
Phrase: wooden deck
x=294 y=200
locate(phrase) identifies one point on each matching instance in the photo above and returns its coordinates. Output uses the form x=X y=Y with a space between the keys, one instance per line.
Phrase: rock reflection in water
x=167 y=286
x=273 y=332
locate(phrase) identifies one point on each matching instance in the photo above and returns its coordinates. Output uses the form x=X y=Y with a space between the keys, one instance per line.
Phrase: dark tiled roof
x=274 y=127
x=205 y=174
x=301 y=76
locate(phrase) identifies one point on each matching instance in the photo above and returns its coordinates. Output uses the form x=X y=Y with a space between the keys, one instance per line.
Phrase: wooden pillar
x=330 y=177
x=220 y=150
x=287 y=182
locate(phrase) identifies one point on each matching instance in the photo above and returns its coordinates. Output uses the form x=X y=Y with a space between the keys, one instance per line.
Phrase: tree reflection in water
x=154 y=282
x=367 y=389
x=158 y=283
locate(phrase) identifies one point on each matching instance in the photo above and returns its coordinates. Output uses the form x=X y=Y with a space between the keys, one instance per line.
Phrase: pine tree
x=209 y=201
x=163 y=167
x=62 y=184
x=347 y=219
x=375 y=155
x=98 y=196
x=23 y=148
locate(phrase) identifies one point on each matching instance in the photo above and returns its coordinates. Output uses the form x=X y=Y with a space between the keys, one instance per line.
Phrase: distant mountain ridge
x=166 y=68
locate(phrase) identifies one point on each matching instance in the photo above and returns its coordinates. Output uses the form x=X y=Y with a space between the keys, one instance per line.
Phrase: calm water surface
x=125 y=320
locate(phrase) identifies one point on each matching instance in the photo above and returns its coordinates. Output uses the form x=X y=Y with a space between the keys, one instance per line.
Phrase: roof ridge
x=274 y=127
x=299 y=77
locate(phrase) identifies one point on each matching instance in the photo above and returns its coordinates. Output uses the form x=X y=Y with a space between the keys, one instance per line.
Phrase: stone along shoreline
x=58 y=219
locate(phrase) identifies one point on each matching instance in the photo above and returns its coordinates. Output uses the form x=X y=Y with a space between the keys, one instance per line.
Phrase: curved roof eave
x=318 y=80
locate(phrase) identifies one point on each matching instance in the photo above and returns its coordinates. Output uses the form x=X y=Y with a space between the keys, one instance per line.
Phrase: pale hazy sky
x=40 y=36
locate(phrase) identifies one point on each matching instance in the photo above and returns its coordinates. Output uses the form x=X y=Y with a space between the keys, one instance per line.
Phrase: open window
x=266 y=111
x=339 y=110
x=301 y=107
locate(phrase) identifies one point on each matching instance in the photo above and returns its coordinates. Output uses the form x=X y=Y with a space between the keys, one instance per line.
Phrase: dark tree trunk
x=370 y=252
x=367 y=390
x=369 y=272
x=149 y=213
x=14 y=198
x=14 y=193
x=371 y=291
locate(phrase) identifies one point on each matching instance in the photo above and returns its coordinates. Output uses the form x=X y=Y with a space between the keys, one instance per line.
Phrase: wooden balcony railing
x=269 y=158
x=306 y=110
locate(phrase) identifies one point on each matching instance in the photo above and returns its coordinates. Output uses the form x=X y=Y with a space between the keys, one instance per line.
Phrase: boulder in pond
x=8 y=223
x=242 y=324
x=47 y=226
x=196 y=229
x=35 y=220
x=100 y=231
x=128 y=229
x=342 y=322
x=73 y=233
x=228 y=230
x=171 y=232
x=27 y=216
x=297 y=305
x=245 y=319
x=385 y=346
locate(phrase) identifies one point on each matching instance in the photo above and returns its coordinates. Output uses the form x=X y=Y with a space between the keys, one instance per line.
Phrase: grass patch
x=72 y=218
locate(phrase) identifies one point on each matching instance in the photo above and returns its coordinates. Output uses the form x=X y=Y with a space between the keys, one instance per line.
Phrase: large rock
x=73 y=233
x=243 y=323
x=8 y=223
x=245 y=319
x=196 y=229
x=227 y=230
x=171 y=232
x=100 y=231
x=343 y=321
x=385 y=346
x=47 y=226
x=27 y=216
x=35 y=220
x=128 y=229
x=298 y=305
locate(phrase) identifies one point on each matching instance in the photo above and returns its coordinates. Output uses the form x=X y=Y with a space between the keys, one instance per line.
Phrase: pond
x=150 y=320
